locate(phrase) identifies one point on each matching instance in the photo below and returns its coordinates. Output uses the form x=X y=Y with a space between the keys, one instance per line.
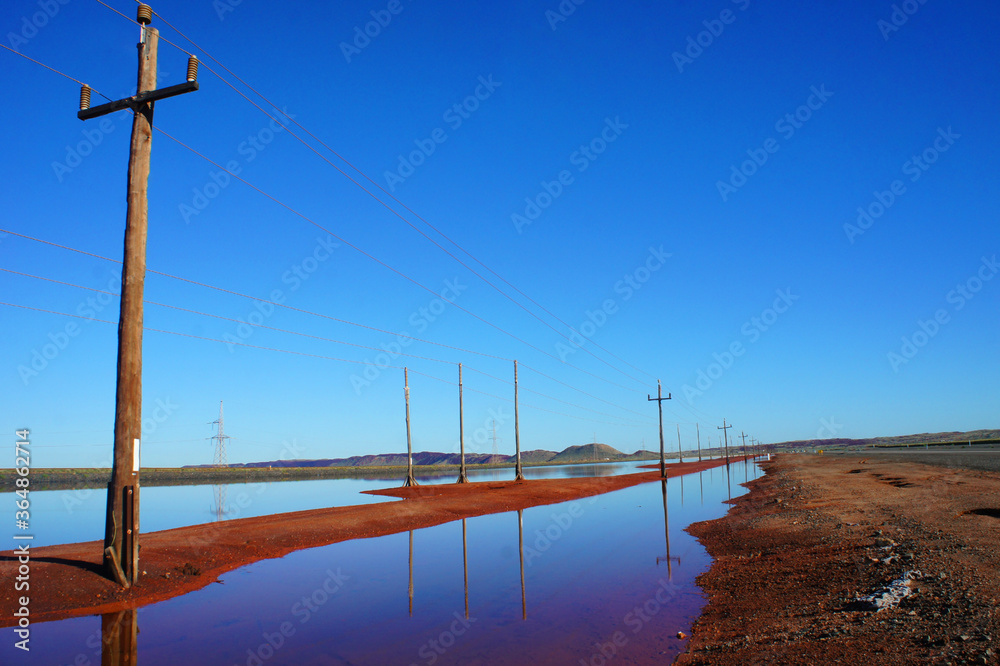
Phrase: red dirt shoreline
x=791 y=558
x=67 y=580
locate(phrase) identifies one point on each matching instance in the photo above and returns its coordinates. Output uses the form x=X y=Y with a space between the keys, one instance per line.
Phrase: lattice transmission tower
x=220 y=441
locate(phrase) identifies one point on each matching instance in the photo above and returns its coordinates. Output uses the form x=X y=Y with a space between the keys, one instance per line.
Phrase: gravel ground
x=799 y=561
x=978 y=457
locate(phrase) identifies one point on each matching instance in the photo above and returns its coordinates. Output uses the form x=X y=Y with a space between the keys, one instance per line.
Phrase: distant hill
x=899 y=440
x=588 y=453
x=572 y=454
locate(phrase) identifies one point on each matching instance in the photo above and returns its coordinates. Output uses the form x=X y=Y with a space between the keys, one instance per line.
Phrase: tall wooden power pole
x=725 y=434
x=462 y=476
x=121 y=532
x=659 y=403
x=680 y=454
x=410 y=479
x=697 y=429
x=518 y=474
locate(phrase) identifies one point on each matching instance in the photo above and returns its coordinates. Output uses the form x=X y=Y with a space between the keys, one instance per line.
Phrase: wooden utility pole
x=410 y=480
x=697 y=429
x=659 y=403
x=744 y=436
x=725 y=434
x=121 y=531
x=462 y=476
x=518 y=475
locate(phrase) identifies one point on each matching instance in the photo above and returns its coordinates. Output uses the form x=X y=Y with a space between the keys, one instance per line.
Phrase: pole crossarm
x=136 y=102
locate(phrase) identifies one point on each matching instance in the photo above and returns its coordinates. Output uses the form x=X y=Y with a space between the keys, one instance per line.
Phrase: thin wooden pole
x=462 y=476
x=518 y=475
x=680 y=454
x=410 y=480
x=697 y=428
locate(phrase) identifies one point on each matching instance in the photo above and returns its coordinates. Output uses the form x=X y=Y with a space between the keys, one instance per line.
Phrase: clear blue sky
x=713 y=154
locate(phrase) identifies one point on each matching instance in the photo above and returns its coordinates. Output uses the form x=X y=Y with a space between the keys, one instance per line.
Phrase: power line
x=383 y=190
x=394 y=270
x=308 y=335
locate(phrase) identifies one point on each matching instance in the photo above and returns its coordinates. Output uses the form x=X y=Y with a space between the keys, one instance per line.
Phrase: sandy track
x=818 y=531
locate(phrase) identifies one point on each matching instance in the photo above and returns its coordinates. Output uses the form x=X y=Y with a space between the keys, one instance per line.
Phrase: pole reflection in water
x=410 y=590
x=465 y=566
x=119 y=638
x=682 y=490
x=520 y=547
x=729 y=481
x=701 y=482
x=666 y=529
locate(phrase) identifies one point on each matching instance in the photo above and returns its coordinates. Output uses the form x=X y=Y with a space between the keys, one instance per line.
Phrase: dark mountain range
x=573 y=454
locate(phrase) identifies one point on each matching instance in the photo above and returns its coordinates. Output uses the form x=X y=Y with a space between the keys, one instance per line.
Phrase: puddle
x=72 y=516
x=607 y=579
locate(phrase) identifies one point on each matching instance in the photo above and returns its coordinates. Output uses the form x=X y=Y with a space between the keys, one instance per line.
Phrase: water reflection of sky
x=70 y=516
x=588 y=566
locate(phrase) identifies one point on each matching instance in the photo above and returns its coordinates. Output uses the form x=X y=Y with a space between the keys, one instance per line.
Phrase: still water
x=601 y=580
x=72 y=516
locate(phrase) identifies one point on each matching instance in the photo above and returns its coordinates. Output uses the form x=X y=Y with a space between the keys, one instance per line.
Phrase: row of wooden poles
x=463 y=476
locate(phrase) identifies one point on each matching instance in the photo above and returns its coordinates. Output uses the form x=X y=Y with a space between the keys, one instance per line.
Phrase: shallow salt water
x=72 y=516
x=553 y=584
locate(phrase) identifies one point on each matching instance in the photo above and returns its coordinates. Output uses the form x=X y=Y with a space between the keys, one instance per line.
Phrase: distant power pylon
x=496 y=449
x=220 y=441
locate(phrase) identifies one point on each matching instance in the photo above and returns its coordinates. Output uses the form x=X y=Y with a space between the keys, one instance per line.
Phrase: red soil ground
x=815 y=532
